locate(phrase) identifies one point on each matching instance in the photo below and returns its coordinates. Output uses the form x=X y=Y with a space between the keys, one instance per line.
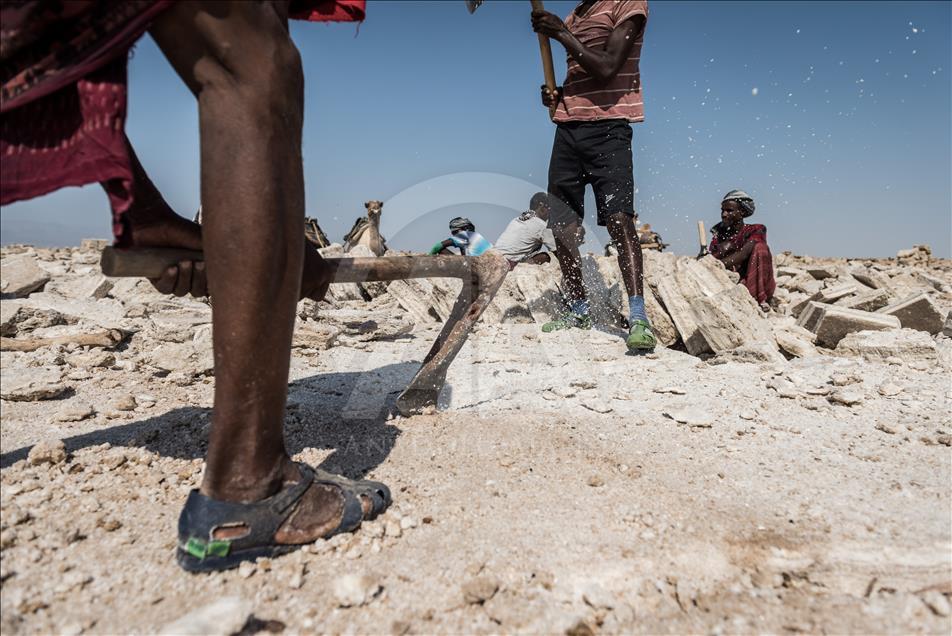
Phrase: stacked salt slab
x=833 y=298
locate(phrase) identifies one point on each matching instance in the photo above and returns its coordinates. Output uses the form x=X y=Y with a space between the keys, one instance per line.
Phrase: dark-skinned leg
x=567 y=203
x=621 y=227
x=239 y=61
x=570 y=260
x=567 y=238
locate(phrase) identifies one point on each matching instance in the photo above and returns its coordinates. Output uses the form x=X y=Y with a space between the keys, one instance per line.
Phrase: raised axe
x=548 y=70
x=481 y=275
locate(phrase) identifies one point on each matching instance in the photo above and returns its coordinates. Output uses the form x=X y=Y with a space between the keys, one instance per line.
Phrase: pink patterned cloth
x=63 y=92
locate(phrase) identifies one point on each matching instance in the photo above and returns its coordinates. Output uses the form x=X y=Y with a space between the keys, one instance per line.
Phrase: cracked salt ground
x=770 y=512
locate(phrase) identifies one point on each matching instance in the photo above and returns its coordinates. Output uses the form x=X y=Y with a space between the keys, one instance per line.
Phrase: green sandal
x=640 y=337
x=568 y=320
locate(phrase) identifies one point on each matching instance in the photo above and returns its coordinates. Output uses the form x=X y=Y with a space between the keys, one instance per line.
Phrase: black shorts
x=596 y=153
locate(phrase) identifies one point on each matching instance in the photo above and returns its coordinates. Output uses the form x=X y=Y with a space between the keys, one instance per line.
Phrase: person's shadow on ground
x=345 y=412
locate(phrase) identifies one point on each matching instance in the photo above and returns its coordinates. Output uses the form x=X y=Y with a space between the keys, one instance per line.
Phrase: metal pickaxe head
x=472 y=5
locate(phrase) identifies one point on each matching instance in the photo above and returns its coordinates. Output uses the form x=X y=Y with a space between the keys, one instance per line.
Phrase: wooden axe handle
x=152 y=262
x=144 y=262
x=701 y=236
x=545 y=50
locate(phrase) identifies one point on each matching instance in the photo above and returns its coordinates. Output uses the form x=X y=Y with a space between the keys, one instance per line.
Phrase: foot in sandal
x=253 y=499
x=312 y=504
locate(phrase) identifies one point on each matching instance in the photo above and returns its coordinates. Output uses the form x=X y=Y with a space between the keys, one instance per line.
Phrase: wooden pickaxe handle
x=481 y=275
x=702 y=239
x=152 y=262
x=145 y=262
x=548 y=70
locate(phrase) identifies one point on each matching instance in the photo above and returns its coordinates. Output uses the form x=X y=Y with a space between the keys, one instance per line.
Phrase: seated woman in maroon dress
x=743 y=248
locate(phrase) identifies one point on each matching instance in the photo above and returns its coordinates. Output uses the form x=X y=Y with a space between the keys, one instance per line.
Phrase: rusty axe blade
x=472 y=5
x=481 y=275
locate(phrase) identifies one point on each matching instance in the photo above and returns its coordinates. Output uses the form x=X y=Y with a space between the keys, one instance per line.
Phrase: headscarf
x=461 y=223
x=742 y=198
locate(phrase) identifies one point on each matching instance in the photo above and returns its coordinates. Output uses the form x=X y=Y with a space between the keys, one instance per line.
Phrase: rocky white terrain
x=787 y=472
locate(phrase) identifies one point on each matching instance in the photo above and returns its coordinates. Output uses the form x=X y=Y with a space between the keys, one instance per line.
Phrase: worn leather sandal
x=200 y=551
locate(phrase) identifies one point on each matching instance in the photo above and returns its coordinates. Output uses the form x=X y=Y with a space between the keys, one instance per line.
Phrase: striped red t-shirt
x=585 y=98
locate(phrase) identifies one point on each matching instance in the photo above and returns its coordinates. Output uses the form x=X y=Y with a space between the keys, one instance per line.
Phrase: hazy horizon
x=834 y=116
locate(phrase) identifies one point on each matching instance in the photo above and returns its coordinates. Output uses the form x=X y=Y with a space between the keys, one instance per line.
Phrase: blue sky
x=834 y=116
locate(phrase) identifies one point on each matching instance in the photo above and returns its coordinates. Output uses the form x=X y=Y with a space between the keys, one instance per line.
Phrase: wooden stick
x=152 y=263
x=108 y=338
x=548 y=69
x=701 y=236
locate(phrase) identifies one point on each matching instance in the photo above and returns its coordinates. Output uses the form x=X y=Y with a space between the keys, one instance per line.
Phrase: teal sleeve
x=436 y=249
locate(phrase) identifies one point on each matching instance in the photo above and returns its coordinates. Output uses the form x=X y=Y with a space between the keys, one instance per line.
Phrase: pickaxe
x=545 y=50
x=481 y=275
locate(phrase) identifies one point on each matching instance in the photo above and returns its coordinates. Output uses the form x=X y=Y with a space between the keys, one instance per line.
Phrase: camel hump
x=359 y=226
x=314 y=233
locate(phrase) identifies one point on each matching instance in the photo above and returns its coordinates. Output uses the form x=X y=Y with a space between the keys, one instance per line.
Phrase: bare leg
x=570 y=261
x=621 y=227
x=239 y=61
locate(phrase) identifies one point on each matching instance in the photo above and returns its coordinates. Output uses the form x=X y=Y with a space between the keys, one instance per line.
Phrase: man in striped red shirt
x=599 y=99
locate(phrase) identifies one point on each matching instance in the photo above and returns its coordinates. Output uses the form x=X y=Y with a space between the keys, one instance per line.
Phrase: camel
x=366 y=230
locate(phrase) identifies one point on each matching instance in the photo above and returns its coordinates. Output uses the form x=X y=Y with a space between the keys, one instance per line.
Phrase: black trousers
x=596 y=153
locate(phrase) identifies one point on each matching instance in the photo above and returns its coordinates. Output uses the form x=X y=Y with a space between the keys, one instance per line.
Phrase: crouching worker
x=464 y=237
x=743 y=248
x=526 y=235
